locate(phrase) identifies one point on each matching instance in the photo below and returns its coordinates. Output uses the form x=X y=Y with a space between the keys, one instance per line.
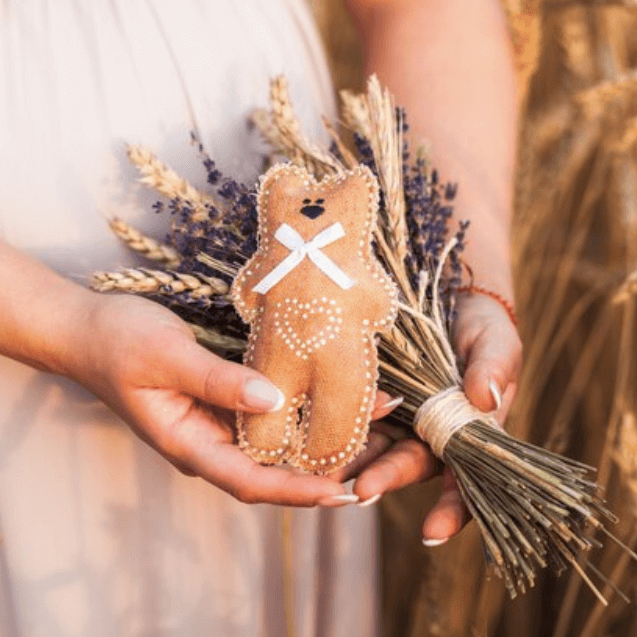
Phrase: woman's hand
x=489 y=348
x=143 y=361
x=449 y=64
x=488 y=344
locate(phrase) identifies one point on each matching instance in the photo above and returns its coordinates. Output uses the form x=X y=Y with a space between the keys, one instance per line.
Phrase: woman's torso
x=101 y=535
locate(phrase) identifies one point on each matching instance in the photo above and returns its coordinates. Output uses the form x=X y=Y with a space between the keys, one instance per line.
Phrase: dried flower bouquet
x=534 y=508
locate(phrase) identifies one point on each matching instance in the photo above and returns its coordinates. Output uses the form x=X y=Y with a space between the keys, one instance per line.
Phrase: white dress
x=100 y=536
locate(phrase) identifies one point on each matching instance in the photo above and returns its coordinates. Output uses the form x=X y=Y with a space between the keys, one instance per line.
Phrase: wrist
x=506 y=304
x=42 y=314
x=487 y=255
x=51 y=333
x=68 y=338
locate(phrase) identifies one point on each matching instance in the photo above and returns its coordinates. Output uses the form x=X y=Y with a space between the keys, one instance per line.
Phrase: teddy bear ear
x=367 y=179
x=284 y=178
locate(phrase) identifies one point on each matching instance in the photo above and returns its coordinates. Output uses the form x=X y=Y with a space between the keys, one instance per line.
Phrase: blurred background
x=575 y=265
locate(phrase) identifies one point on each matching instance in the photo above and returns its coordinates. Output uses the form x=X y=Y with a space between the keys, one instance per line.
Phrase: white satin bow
x=292 y=240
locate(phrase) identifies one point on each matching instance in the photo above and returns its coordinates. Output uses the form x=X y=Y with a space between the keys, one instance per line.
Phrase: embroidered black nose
x=313 y=210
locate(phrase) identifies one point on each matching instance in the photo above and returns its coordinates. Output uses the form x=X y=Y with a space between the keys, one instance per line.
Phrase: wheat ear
x=150 y=248
x=157 y=176
x=355 y=113
x=144 y=281
x=292 y=142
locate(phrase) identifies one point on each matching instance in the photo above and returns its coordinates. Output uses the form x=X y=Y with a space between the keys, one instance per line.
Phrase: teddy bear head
x=290 y=195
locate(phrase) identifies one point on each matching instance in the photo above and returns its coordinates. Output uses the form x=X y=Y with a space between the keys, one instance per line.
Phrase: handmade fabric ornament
x=314 y=296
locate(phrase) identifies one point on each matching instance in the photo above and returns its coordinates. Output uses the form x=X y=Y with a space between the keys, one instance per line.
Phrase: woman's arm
x=448 y=62
x=142 y=360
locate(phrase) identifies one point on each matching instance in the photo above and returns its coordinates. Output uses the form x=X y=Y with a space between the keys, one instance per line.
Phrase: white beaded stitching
x=293 y=340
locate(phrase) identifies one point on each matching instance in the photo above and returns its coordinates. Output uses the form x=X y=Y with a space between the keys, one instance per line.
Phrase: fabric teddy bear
x=314 y=295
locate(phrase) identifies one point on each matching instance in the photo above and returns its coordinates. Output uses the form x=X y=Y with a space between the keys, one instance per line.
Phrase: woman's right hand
x=143 y=361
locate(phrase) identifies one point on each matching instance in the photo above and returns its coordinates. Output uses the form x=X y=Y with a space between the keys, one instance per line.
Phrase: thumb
x=193 y=370
x=492 y=365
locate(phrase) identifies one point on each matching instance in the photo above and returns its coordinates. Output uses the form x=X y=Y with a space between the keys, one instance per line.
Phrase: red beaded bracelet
x=477 y=289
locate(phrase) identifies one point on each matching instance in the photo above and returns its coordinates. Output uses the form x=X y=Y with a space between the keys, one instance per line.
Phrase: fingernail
x=260 y=394
x=434 y=541
x=386 y=408
x=495 y=392
x=336 y=500
x=370 y=501
x=393 y=403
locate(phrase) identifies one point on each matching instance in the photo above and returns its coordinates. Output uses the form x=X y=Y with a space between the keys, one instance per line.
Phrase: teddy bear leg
x=272 y=438
x=336 y=430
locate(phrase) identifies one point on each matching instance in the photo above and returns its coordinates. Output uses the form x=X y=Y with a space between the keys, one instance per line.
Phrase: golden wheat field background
x=575 y=266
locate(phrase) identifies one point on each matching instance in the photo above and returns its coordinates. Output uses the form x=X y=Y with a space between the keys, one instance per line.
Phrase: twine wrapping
x=440 y=416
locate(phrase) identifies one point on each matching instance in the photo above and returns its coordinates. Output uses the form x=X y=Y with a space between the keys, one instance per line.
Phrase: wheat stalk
x=261 y=119
x=387 y=145
x=524 y=26
x=594 y=101
x=291 y=140
x=157 y=176
x=628 y=138
x=148 y=247
x=216 y=341
x=145 y=281
x=348 y=157
x=625 y=456
x=570 y=339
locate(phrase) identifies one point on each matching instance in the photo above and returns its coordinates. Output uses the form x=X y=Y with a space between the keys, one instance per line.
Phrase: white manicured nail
x=370 y=501
x=260 y=394
x=280 y=401
x=434 y=542
x=392 y=403
x=344 y=498
x=495 y=392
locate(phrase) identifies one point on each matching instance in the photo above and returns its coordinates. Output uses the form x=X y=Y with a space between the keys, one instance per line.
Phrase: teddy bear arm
x=377 y=296
x=246 y=299
x=382 y=307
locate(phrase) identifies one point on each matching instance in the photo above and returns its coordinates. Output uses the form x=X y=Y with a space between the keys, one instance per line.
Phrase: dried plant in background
x=524 y=17
x=575 y=247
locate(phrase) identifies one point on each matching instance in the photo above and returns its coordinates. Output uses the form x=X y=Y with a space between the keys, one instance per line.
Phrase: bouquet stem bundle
x=534 y=508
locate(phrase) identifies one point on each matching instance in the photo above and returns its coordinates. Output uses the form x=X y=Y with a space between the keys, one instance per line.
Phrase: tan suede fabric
x=310 y=336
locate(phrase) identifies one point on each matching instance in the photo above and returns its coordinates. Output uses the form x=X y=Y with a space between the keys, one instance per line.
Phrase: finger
x=224 y=465
x=406 y=462
x=382 y=435
x=393 y=431
x=377 y=444
x=494 y=359
x=449 y=514
x=197 y=372
x=384 y=405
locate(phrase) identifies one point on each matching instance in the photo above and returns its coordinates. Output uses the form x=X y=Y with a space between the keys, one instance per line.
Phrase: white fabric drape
x=100 y=535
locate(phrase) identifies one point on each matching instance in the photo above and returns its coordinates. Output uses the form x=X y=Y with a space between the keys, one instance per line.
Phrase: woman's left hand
x=488 y=345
